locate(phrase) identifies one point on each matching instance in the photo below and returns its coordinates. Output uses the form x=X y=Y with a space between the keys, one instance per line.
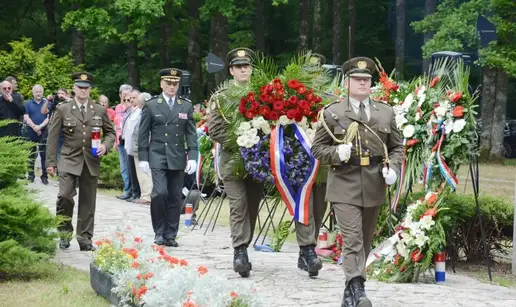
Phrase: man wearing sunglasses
x=76 y=119
x=166 y=125
x=10 y=108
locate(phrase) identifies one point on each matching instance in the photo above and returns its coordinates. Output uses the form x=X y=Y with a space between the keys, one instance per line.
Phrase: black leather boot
x=356 y=285
x=241 y=263
x=308 y=260
x=348 y=300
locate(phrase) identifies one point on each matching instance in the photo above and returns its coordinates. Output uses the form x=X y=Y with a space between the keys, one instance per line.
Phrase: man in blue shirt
x=37 y=132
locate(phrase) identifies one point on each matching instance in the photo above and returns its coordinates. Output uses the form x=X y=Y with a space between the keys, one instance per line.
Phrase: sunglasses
x=7 y=88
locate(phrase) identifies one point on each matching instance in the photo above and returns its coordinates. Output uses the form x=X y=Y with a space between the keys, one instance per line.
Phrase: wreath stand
x=474 y=173
x=263 y=228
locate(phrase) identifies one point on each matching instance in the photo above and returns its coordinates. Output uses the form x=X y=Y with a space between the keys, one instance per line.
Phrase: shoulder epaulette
x=185 y=99
x=153 y=97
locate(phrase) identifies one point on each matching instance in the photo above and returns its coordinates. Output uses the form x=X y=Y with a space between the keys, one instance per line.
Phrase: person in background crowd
x=19 y=98
x=76 y=119
x=132 y=116
x=37 y=122
x=104 y=101
x=144 y=178
x=120 y=109
x=10 y=108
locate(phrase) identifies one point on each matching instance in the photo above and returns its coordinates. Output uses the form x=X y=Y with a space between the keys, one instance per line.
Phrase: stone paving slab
x=275 y=275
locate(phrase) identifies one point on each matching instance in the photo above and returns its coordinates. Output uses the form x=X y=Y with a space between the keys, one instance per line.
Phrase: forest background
x=128 y=41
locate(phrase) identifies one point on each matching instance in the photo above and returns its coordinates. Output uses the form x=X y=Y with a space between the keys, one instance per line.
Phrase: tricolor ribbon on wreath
x=297 y=201
x=445 y=170
x=216 y=162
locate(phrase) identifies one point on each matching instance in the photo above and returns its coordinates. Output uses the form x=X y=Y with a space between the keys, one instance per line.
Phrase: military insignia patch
x=241 y=53
x=160 y=100
x=84 y=77
x=362 y=64
x=173 y=72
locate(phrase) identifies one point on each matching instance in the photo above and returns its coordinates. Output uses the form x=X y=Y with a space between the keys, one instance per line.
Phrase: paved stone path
x=276 y=276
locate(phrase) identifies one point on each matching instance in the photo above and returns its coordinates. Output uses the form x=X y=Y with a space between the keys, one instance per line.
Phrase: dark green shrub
x=20 y=262
x=12 y=164
x=110 y=176
x=26 y=221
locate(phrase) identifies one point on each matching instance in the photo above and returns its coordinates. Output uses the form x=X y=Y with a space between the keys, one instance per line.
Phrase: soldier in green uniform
x=75 y=119
x=166 y=124
x=360 y=168
x=244 y=194
x=307 y=234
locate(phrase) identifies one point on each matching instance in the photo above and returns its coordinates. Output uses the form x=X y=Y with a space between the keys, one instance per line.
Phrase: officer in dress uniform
x=75 y=119
x=307 y=234
x=361 y=166
x=244 y=194
x=166 y=124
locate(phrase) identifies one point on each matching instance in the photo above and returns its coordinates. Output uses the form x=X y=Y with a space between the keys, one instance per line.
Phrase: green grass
x=64 y=287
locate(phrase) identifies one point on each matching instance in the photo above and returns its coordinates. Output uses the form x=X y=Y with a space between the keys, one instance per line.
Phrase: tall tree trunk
x=77 y=42
x=259 y=26
x=51 y=20
x=352 y=25
x=316 y=29
x=219 y=43
x=303 y=24
x=497 y=136
x=132 y=65
x=166 y=30
x=487 y=111
x=430 y=6
x=336 y=39
x=193 y=62
x=400 y=38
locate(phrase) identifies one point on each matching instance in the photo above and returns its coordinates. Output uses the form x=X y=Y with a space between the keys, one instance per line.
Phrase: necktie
x=83 y=111
x=170 y=103
x=362 y=113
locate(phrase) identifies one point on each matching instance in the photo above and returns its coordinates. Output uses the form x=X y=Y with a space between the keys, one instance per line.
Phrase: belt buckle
x=364 y=161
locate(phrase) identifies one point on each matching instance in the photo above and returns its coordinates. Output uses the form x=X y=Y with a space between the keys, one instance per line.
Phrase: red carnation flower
x=250 y=96
x=263 y=110
x=273 y=115
x=455 y=97
x=416 y=255
x=293 y=84
x=301 y=89
x=291 y=114
x=458 y=111
x=277 y=105
x=434 y=81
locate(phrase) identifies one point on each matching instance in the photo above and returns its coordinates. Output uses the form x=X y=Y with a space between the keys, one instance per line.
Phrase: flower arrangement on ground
x=272 y=122
x=145 y=274
x=410 y=251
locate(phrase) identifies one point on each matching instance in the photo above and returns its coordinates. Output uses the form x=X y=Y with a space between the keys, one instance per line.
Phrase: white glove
x=344 y=151
x=144 y=166
x=191 y=167
x=390 y=175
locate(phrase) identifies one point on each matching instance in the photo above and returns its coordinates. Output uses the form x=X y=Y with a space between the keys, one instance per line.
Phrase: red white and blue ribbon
x=297 y=202
x=446 y=172
x=216 y=162
x=394 y=205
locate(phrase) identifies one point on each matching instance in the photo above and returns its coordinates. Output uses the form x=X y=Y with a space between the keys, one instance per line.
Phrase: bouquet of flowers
x=410 y=251
x=389 y=91
x=146 y=275
x=272 y=122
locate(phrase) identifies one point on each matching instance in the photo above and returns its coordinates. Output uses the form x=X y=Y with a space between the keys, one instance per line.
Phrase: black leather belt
x=355 y=160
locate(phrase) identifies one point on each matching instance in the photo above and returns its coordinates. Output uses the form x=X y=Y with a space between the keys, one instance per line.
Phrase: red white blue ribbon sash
x=216 y=163
x=297 y=201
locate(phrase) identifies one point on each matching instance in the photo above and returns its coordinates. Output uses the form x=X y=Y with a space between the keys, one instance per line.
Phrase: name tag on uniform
x=157 y=115
x=183 y=116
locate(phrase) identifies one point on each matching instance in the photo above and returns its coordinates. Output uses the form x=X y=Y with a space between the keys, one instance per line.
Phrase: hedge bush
x=27 y=228
x=110 y=176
